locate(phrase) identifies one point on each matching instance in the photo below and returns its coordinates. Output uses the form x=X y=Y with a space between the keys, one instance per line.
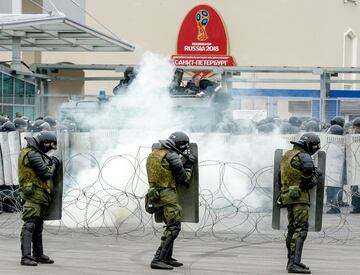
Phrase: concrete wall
x=71 y=10
x=261 y=32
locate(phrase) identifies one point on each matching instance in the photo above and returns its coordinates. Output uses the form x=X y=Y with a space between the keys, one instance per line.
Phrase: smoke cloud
x=107 y=178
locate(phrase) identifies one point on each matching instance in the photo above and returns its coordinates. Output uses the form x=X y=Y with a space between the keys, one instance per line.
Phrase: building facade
x=260 y=33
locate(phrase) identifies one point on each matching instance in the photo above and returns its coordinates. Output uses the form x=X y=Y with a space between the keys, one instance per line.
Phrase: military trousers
x=33 y=211
x=298 y=221
x=170 y=210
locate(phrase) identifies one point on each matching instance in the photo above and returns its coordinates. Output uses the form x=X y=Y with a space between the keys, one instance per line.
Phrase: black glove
x=190 y=161
x=55 y=161
x=313 y=181
x=317 y=172
x=186 y=184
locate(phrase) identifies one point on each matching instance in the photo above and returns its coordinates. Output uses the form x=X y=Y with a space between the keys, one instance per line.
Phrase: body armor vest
x=158 y=169
x=291 y=179
x=28 y=175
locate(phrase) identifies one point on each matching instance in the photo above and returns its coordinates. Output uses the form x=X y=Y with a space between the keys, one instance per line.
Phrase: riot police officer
x=334 y=194
x=355 y=190
x=338 y=120
x=8 y=126
x=165 y=170
x=36 y=170
x=298 y=175
x=129 y=76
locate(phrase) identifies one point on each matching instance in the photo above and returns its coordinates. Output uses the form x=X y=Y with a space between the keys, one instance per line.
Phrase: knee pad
x=175 y=231
x=304 y=231
x=29 y=226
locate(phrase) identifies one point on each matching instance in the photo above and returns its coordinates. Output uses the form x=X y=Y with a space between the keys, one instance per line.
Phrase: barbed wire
x=101 y=206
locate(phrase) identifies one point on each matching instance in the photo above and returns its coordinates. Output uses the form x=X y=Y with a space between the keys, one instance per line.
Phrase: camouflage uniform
x=34 y=191
x=165 y=170
x=295 y=185
x=35 y=187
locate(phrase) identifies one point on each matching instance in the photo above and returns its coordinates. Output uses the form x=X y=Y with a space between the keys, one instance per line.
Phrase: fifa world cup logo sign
x=202 y=19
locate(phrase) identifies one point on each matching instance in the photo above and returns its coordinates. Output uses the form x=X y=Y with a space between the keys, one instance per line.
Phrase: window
x=299 y=107
x=16 y=95
x=29 y=94
x=19 y=91
x=1 y=88
x=8 y=89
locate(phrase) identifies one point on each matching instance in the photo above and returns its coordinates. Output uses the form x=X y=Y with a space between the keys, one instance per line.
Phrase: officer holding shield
x=36 y=171
x=298 y=175
x=165 y=170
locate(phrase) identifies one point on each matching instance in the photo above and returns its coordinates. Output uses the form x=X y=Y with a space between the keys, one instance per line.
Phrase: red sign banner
x=202 y=40
x=188 y=60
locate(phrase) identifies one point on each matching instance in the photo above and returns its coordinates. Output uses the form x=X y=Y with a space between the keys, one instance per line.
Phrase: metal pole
x=324 y=92
x=16 y=53
x=224 y=82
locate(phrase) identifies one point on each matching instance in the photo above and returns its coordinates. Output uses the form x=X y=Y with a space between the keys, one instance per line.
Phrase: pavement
x=334 y=250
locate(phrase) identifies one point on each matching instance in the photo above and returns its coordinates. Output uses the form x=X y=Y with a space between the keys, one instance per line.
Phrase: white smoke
x=149 y=96
x=103 y=193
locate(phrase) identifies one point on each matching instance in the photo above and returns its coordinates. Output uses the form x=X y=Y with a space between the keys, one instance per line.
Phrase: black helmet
x=295 y=121
x=312 y=126
x=180 y=140
x=310 y=142
x=336 y=130
x=52 y=122
x=20 y=123
x=3 y=119
x=356 y=122
x=40 y=125
x=286 y=128
x=46 y=141
x=266 y=128
x=337 y=120
x=129 y=73
x=7 y=127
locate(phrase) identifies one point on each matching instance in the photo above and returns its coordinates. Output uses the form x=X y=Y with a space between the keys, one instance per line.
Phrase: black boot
x=26 y=238
x=38 y=251
x=156 y=263
x=170 y=260
x=299 y=264
x=294 y=267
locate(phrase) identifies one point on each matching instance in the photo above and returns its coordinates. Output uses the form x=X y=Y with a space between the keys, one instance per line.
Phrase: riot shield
x=279 y=214
x=277 y=211
x=188 y=197
x=14 y=150
x=5 y=153
x=54 y=210
x=334 y=146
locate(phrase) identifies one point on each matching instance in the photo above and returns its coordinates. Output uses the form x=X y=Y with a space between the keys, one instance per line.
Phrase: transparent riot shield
x=334 y=146
x=5 y=154
x=279 y=213
x=188 y=197
x=14 y=150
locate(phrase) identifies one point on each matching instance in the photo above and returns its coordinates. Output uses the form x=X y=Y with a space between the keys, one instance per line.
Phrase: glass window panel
x=8 y=111
x=19 y=109
x=8 y=88
x=30 y=94
x=19 y=91
x=29 y=112
x=1 y=88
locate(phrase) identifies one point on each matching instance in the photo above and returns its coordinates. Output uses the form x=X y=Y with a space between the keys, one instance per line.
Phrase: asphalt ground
x=334 y=250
